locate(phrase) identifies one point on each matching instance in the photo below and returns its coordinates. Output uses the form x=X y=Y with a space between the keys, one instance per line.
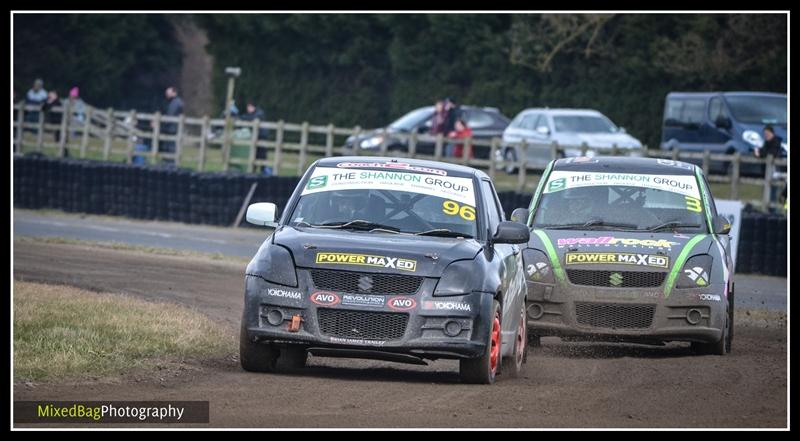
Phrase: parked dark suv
x=485 y=122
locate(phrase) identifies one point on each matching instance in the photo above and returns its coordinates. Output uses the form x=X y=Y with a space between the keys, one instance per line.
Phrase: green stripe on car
x=680 y=261
x=551 y=253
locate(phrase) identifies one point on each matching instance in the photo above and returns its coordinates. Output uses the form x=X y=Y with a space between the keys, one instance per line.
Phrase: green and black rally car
x=399 y=260
x=628 y=249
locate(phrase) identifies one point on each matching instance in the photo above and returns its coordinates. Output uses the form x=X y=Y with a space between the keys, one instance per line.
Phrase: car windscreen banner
x=564 y=180
x=731 y=210
x=448 y=187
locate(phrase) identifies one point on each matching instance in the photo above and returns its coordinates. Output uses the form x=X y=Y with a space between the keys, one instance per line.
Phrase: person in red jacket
x=462 y=131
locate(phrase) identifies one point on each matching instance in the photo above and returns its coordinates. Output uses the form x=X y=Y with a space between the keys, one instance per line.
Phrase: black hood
x=362 y=251
x=667 y=245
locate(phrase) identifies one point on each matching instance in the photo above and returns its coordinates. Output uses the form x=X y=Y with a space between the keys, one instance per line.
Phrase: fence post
x=109 y=129
x=437 y=150
x=131 y=143
x=356 y=142
x=251 y=157
x=706 y=161
x=329 y=141
x=492 y=157
x=179 y=140
x=735 y=170
x=584 y=148
x=465 y=153
x=20 y=122
x=278 y=148
x=412 y=144
x=766 y=200
x=62 y=131
x=674 y=154
x=614 y=150
x=554 y=150
x=523 y=167
x=301 y=162
x=40 y=132
x=156 y=134
x=86 y=124
x=384 y=142
x=201 y=159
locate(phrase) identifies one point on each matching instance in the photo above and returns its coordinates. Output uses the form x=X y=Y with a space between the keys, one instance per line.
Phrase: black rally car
x=399 y=260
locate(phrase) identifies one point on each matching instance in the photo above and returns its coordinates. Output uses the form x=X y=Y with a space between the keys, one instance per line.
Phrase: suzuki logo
x=615 y=279
x=365 y=283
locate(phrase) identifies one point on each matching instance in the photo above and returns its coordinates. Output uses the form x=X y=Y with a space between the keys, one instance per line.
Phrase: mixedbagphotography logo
x=100 y=412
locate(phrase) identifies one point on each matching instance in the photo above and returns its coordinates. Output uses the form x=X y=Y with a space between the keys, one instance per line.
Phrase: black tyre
x=484 y=369
x=729 y=342
x=513 y=365
x=291 y=358
x=723 y=346
x=255 y=357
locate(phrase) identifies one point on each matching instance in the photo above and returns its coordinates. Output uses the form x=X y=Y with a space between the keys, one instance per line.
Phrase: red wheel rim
x=521 y=338
x=494 y=354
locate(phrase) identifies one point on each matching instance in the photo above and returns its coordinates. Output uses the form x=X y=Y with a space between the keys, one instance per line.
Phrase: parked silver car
x=570 y=128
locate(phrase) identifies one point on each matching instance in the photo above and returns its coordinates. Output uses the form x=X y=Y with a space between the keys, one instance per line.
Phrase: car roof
x=451 y=169
x=625 y=164
x=563 y=111
x=710 y=94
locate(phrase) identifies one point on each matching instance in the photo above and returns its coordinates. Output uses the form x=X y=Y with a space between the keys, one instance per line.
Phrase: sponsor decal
x=580 y=160
x=446 y=187
x=615 y=279
x=611 y=240
x=537 y=270
x=440 y=305
x=285 y=293
x=402 y=303
x=618 y=258
x=681 y=184
x=392 y=165
x=709 y=297
x=366 y=260
x=674 y=164
x=698 y=275
x=326 y=298
x=363 y=300
x=357 y=341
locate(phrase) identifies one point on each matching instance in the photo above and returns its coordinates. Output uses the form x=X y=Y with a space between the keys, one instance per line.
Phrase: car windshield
x=388 y=201
x=583 y=124
x=624 y=201
x=758 y=109
x=412 y=119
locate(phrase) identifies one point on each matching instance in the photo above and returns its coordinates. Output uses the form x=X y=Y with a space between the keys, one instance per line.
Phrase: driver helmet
x=347 y=202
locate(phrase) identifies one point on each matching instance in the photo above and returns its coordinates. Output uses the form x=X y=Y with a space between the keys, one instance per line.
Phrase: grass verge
x=62 y=332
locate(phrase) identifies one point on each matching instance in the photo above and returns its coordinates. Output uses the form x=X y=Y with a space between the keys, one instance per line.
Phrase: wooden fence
x=107 y=133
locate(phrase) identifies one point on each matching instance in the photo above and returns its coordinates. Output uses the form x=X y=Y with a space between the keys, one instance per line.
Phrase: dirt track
x=565 y=384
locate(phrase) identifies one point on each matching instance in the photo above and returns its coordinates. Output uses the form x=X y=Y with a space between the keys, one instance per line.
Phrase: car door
x=508 y=259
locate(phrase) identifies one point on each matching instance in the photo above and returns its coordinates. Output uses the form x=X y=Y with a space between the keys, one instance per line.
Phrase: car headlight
x=696 y=272
x=275 y=265
x=456 y=279
x=372 y=142
x=753 y=138
x=537 y=266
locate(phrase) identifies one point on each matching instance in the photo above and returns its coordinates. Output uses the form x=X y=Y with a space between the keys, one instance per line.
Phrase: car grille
x=624 y=279
x=362 y=324
x=615 y=316
x=365 y=283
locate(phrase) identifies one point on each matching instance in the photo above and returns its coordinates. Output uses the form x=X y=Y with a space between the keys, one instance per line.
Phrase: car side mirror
x=520 y=215
x=262 y=214
x=542 y=130
x=511 y=232
x=723 y=122
x=721 y=225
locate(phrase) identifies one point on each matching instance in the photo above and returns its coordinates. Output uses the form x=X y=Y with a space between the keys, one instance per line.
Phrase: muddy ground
x=565 y=384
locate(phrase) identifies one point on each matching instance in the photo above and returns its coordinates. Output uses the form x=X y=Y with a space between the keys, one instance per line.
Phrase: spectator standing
x=77 y=109
x=462 y=131
x=173 y=106
x=771 y=146
x=36 y=96
x=453 y=113
x=53 y=117
x=439 y=119
x=253 y=112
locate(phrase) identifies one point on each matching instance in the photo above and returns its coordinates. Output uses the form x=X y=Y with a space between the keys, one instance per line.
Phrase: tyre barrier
x=215 y=198
x=140 y=191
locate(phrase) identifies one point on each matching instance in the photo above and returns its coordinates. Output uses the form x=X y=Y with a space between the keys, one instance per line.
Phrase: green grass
x=62 y=332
